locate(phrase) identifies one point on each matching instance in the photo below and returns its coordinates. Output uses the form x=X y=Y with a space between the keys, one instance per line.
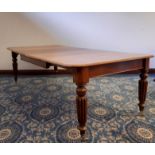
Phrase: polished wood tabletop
x=75 y=57
x=85 y=64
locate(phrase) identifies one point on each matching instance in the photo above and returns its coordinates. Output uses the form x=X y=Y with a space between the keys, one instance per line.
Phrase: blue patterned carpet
x=42 y=109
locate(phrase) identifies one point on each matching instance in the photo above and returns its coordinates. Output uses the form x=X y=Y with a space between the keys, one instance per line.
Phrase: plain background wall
x=16 y=30
x=126 y=32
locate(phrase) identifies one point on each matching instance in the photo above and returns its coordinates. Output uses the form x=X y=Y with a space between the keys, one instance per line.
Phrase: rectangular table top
x=75 y=57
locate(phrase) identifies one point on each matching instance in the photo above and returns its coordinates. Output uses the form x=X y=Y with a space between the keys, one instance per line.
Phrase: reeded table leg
x=81 y=101
x=143 y=83
x=81 y=78
x=15 y=65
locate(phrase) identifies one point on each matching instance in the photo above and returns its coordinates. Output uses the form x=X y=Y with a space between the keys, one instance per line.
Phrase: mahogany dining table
x=85 y=64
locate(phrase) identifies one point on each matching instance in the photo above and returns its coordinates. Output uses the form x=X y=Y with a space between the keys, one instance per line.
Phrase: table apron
x=35 y=61
x=117 y=67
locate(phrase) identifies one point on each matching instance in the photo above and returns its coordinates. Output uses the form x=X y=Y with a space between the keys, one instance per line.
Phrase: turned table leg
x=15 y=65
x=143 y=83
x=55 y=68
x=81 y=78
x=81 y=102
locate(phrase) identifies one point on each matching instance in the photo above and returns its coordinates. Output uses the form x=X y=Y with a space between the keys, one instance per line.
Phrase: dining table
x=84 y=64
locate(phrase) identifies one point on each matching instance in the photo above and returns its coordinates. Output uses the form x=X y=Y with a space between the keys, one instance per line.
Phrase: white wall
x=126 y=32
x=16 y=30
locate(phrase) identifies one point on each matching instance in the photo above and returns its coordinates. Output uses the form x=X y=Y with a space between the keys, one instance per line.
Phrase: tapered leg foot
x=15 y=65
x=143 y=83
x=82 y=103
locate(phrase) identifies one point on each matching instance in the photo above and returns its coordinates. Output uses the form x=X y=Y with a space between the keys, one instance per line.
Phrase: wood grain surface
x=75 y=57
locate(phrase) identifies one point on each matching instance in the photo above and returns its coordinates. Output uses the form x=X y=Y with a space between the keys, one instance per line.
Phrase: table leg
x=81 y=101
x=81 y=78
x=15 y=65
x=143 y=83
x=55 y=68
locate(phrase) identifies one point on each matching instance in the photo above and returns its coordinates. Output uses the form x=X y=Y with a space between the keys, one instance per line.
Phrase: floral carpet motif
x=10 y=132
x=101 y=113
x=141 y=132
x=68 y=132
x=42 y=109
x=45 y=112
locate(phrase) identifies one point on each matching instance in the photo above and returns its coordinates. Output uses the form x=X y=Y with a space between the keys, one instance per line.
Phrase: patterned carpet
x=42 y=109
